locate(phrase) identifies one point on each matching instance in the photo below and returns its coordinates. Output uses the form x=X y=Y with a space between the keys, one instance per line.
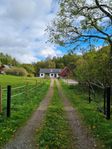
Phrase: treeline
x=91 y=67
x=94 y=67
x=16 y=68
x=68 y=60
x=8 y=60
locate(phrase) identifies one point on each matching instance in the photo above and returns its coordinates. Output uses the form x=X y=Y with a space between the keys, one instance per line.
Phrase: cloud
x=22 y=28
x=50 y=52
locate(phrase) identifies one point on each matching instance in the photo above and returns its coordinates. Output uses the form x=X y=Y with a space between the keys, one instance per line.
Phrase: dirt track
x=81 y=135
x=24 y=138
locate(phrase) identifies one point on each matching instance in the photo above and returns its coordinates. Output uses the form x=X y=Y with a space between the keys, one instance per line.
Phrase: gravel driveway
x=82 y=137
x=24 y=138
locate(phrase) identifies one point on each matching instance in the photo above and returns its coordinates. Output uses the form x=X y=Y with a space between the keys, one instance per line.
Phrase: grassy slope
x=95 y=121
x=22 y=106
x=55 y=132
x=15 y=81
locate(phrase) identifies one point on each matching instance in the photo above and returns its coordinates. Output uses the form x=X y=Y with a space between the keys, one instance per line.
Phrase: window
x=52 y=74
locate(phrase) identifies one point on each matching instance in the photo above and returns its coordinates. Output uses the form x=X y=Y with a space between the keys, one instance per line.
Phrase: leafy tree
x=50 y=64
x=83 y=23
x=80 y=20
x=8 y=60
x=29 y=68
x=92 y=67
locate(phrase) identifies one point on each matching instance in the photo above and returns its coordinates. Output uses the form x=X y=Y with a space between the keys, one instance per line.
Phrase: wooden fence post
x=89 y=94
x=8 y=101
x=104 y=101
x=108 y=103
x=0 y=98
x=36 y=82
x=26 y=89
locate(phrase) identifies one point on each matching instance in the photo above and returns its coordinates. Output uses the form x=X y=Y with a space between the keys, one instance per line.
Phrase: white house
x=52 y=73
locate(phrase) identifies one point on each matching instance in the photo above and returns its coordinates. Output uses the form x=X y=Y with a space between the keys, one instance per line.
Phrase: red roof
x=2 y=69
x=65 y=72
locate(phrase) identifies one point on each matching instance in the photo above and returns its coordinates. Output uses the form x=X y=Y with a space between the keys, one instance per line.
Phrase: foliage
x=17 y=71
x=82 y=23
x=94 y=120
x=8 y=60
x=68 y=60
x=93 y=67
x=29 y=68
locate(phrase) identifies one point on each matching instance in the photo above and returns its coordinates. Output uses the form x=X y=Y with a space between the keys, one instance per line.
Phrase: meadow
x=22 y=105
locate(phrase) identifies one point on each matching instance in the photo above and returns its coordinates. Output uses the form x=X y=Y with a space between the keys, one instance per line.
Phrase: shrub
x=30 y=75
x=17 y=71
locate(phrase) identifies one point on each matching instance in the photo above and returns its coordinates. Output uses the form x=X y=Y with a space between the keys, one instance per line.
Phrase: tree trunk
x=110 y=64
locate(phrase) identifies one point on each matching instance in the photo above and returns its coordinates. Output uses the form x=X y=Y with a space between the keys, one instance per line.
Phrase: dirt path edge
x=83 y=138
x=24 y=137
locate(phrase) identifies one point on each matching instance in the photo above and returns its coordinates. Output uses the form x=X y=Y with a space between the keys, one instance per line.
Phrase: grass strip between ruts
x=55 y=132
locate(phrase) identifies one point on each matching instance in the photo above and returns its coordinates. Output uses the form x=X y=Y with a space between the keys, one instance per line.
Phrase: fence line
x=31 y=89
x=17 y=94
x=9 y=95
x=106 y=98
x=0 y=98
x=4 y=89
x=18 y=87
x=97 y=85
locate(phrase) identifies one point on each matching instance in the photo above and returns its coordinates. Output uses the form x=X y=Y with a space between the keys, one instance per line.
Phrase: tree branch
x=103 y=10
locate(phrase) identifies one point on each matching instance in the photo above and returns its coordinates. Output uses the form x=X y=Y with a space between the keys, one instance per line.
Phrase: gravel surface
x=70 y=81
x=80 y=133
x=24 y=138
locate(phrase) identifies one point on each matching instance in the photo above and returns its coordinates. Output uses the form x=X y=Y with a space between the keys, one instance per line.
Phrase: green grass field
x=91 y=117
x=22 y=106
x=16 y=81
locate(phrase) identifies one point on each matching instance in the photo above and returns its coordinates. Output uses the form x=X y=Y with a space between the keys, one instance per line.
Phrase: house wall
x=51 y=75
x=42 y=75
x=57 y=75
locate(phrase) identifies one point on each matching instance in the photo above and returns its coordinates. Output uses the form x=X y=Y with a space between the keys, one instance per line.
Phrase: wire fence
x=9 y=93
x=102 y=95
x=98 y=93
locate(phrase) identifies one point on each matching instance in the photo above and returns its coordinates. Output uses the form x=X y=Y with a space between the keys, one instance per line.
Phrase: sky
x=22 y=29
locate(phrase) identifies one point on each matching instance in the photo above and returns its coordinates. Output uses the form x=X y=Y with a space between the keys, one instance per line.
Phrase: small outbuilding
x=52 y=73
x=65 y=72
x=3 y=68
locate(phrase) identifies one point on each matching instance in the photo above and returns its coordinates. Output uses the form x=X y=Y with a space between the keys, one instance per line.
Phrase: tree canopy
x=8 y=60
x=83 y=23
x=92 y=67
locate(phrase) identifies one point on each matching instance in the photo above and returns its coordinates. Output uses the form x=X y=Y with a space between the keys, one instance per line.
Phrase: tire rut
x=82 y=138
x=24 y=137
